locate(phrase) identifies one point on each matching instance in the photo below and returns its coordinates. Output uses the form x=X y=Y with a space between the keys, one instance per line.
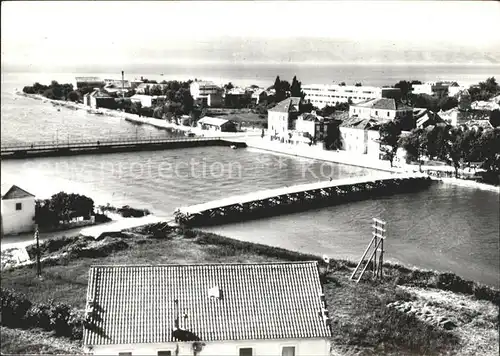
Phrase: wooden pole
x=38 y=265
x=361 y=260
x=371 y=257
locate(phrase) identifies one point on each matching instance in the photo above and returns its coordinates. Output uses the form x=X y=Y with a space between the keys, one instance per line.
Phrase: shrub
x=19 y=312
x=14 y=308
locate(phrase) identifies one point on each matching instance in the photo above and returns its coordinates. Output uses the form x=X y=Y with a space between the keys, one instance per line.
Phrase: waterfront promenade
x=317 y=153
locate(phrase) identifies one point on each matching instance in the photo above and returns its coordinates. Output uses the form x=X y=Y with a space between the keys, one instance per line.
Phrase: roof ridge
x=210 y=264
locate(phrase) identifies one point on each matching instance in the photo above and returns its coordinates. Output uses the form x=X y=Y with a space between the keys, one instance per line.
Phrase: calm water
x=446 y=227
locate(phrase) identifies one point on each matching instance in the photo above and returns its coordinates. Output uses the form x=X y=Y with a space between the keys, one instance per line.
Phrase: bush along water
x=19 y=312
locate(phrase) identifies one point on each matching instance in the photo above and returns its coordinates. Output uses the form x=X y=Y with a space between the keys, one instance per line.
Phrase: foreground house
x=209 y=309
x=18 y=210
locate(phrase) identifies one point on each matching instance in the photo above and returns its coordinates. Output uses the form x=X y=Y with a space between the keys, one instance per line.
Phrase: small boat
x=233 y=147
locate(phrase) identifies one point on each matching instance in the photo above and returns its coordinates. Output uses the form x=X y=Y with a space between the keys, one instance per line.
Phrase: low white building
x=216 y=124
x=207 y=309
x=147 y=100
x=383 y=109
x=321 y=95
x=18 y=210
x=361 y=136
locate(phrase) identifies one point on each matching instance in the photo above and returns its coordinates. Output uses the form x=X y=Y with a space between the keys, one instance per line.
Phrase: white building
x=216 y=124
x=207 y=310
x=206 y=92
x=361 y=136
x=321 y=95
x=383 y=109
x=147 y=100
x=18 y=210
x=280 y=119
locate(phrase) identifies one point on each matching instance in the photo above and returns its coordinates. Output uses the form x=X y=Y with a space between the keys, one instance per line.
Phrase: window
x=288 y=351
x=164 y=353
x=376 y=112
x=19 y=206
x=246 y=351
x=124 y=353
x=388 y=113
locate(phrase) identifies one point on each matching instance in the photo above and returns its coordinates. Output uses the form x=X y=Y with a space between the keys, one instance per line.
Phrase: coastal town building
x=281 y=119
x=237 y=98
x=321 y=95
x=425 y=117
x=381 y=109
x=99 y=99
x=88 y=82
x=207 y=309
x=147 y=100
x=312 y=128
x=206 y=93
x=439 y=89
x=18 y=210
x=361 y=136
x=145 y=88
x=216 y=124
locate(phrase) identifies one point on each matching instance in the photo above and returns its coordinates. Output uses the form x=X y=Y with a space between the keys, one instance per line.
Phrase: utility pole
x=38 y=265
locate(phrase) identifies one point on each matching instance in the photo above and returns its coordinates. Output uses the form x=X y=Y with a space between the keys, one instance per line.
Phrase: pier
x=278 y=201
x=50 y=149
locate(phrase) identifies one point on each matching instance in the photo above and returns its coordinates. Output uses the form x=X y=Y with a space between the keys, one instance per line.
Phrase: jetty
x=301 y=197
x=49 y=149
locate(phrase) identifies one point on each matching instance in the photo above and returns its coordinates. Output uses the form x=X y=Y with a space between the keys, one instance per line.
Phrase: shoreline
x=345 y=158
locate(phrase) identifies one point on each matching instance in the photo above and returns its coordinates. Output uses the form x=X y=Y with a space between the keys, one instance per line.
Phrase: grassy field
x=363 y=324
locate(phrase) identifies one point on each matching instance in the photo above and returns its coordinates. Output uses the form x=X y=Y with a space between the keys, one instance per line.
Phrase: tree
x=436 y=138
x=490 y=150
x=279 y=87
x=342 y=84
x=446 y=103
x=495 y=118
x=73 y=96
x=405 y=87
x=228 y=86
x=414 y=144
x=455 y=148
x=296 y=88
x=389 y=139
x=155 y=90
x=358 y=85
x=424 y=101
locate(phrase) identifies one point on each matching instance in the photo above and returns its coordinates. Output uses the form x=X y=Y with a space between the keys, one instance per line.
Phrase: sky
x=67 y=33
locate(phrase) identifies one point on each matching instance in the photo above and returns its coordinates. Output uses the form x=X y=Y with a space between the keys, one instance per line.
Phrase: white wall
x=277 y=124
x=17 y=221
x=304 y=347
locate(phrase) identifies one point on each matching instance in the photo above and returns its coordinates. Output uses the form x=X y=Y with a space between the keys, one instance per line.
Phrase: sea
x=444 y=228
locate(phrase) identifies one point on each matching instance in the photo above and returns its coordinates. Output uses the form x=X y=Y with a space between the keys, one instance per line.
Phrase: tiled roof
x=359 y=123
x=136 y=304
x=10 y=191
x=287 y=105
x=212 y=121
x=383 y=104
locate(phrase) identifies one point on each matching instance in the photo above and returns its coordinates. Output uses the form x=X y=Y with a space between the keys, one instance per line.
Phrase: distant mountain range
x=289 y=50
